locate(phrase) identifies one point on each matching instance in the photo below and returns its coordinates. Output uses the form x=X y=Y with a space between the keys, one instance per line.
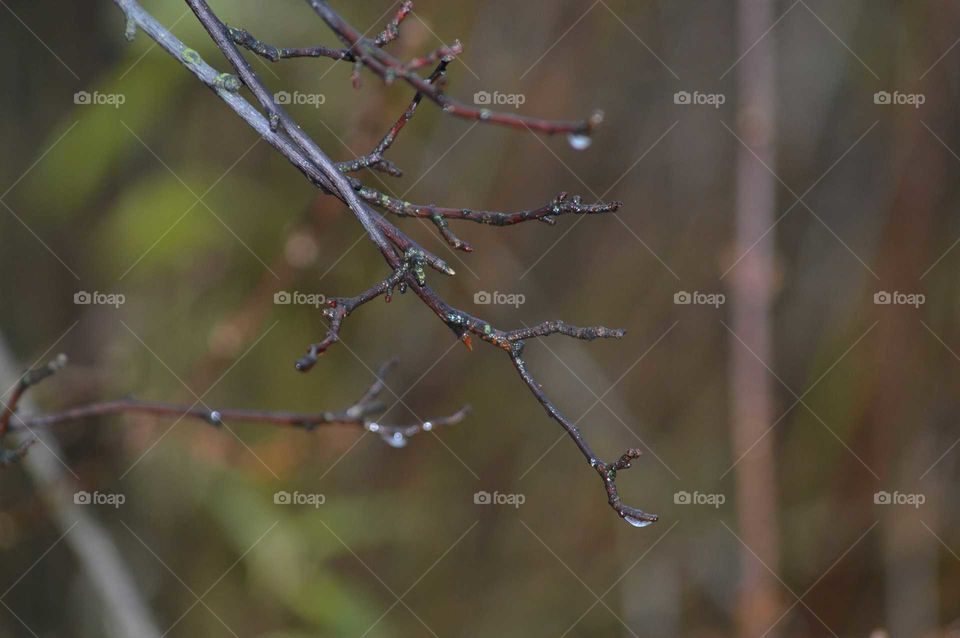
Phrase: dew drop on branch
x=637 y=522
x=397 y=439
x=578 y=141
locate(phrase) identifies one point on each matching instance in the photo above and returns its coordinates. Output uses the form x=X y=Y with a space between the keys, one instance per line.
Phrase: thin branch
x=27 y=381
x=375 y=158
x=362 y=413
x=392 y=30
x=245 y=39
x=274 y=54
x=440 y=54
x=560 y=205
x=606 y=471
x=389 y=68
x=369 y=53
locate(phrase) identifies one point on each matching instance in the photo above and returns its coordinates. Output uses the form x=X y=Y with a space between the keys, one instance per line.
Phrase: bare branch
x=274 y=54
x=27 y=381
x=406 y=259
x=362 y=413
x=392 y=30
x=561 y=205
x=389 y=68
x=607 y=471
x=375 y=158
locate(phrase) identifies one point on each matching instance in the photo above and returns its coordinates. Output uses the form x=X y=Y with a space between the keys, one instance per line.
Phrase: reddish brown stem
x=389 y=68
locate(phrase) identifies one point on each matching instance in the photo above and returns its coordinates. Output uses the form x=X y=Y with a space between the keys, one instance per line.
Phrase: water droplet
x=636 y=522
x=215 y=418
x=306 y=362
x=373 y=427
x=395 y=440
x=579 y=142
x=427 y=426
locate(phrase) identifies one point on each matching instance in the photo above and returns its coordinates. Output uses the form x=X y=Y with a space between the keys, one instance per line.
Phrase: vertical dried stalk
x=752 y=290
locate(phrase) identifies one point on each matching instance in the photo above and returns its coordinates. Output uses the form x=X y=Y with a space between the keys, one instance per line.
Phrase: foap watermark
x=86 y=98
x=486 y=98
x=897 y=298
x=99 y=498
x=699 y=498
x=899 y=498
x=303 y=99
x=716 y=100
x=97 y=298
x=496 y=298
x=299 y=498
x=497 y=498
x=886 y=98
x=296 y=298
x=696 y=298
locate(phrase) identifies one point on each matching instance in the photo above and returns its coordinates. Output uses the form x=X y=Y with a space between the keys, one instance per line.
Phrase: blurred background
x=790 y=169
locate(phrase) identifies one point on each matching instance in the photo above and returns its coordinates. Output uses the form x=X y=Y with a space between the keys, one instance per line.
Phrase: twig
x=361 y=414
x=274 y=54
x=392 y=30
x=27 y=381
x=561 y=205
x=389 y=68
x=375 y=158
x=606 y=471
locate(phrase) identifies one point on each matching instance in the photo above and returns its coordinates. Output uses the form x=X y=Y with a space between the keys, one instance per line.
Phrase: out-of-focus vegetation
x=106 y=199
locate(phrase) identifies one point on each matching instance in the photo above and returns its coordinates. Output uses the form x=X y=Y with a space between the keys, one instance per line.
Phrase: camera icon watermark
x=299 y=498
x=699 y=498
x=896 y=298
x=696 y=98
x=96 y=298
x=486 y=98
x=83 y=497
x=484 y=298
x=899 y=498
x=896 y=98
x=86 y=98
x=296 y=298
x=497 y=498
x=316 y=100
x=684 y=298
